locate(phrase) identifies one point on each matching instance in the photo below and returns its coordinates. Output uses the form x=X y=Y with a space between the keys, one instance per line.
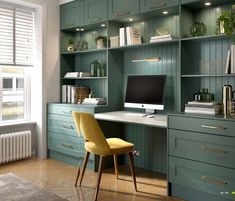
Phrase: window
x=16 y=56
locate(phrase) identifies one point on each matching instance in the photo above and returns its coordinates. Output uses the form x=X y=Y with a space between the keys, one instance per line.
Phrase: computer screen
x=145 y=91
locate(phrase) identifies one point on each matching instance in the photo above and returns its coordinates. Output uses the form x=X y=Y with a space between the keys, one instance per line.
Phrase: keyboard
x=133 y=114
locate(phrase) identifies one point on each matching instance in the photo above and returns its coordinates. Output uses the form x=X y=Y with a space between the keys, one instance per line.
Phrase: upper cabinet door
x=122 y=8
x=149 y=5
x=95 y=11
x=72 y=14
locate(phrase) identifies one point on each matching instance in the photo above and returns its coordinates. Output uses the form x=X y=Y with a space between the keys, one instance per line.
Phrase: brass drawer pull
x=95 y=19
x=214 y=181
x=122 y=13
x=212 y=149
x=213 y=127
x=154 y=6
x=67 y=126
x=67 y=112
x=67 y=146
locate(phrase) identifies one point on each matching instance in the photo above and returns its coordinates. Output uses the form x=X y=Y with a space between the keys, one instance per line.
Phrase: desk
x=159 y=121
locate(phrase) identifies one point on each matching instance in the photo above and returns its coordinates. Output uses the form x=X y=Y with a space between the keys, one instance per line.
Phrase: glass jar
x=95 y=69
x=203 y=96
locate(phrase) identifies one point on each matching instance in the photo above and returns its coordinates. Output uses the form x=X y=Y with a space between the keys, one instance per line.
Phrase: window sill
x=21 y=123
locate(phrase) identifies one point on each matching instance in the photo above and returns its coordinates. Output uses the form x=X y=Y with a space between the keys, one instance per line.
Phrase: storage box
x=114 y=41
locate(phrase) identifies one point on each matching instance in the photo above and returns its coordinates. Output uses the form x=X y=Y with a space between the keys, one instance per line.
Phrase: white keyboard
x=133 y=114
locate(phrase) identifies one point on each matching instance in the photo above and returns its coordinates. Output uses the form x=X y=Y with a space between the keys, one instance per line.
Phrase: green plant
x=227 y=21
x=71 y=41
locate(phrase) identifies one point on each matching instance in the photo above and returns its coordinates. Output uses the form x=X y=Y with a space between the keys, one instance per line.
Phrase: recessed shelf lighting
x=103 y=25
x=81 y=29
x=165 y=12
x=208 y=4
x=130 y=19
x=77 y=29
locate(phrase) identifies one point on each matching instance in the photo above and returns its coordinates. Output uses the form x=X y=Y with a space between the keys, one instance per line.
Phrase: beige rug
x=14 y=188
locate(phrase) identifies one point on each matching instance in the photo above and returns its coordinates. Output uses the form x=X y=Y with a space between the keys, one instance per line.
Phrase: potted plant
x=101 y=42
x=71 y=46
x=226 y=23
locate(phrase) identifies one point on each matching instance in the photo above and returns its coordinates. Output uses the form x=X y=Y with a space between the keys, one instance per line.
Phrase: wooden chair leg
x=132 y=167
x=99 y=176
x=115 y=159
x=78 y=173
x=84 y=166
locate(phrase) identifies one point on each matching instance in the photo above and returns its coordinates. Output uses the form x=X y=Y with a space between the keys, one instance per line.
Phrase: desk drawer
x=67 y=110
x=66 y=144
x=204 y=125
x=218 y=150
x=203 y=177
x=62 y=124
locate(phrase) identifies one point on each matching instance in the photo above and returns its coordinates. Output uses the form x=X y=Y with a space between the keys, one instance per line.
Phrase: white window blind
x=16 y=36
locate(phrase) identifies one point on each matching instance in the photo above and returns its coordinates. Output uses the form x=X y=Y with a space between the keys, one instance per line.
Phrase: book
x=163 y=36
x=215 y=109
x=122 y=36
x=201 y=112
x=202 y=106
x=68 y=94
x=64 y=93
x=228 y=63
x=95 y=101
x=232 y=59
x=203 y=103
x=160 y=39
x=133 y=36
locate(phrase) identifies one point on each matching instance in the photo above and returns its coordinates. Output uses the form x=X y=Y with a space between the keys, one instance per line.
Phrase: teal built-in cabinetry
x=189 y=62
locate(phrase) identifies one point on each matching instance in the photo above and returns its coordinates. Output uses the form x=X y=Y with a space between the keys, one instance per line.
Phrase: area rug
x=14 y=188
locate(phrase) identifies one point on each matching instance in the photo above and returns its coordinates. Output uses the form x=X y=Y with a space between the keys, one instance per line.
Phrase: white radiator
x=15 y=146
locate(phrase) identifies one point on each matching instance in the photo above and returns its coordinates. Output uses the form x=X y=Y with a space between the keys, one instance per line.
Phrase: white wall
x=46 y=74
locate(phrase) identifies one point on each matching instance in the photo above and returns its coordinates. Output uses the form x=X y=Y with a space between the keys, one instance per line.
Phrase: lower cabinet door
x=202 y=177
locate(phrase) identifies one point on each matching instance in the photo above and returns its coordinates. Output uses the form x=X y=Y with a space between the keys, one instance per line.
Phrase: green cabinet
x=95 y=11
x=64 y=143
x=201 y=152
x=122 y=8
x=150 y=5
x=72 y=14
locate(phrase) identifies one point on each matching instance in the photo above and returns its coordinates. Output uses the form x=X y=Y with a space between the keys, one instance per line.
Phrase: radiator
x=15 y=146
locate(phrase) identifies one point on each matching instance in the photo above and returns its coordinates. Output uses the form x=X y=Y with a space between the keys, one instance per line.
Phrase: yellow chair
x=96 y=143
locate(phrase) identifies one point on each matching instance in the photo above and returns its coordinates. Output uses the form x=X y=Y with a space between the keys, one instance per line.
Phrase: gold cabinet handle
x=68 y=146
x=122 y=13
x=67 y=112
x=213 y=149
x=214 y=127
x=95 y=19
x=159 y=5
x=67 y=126
x=214 y=181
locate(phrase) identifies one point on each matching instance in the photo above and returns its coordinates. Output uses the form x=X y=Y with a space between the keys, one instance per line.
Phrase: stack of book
x=95 y=101
x=77 y=74
x=166 y=37
x=211 y=108
x=129 y=36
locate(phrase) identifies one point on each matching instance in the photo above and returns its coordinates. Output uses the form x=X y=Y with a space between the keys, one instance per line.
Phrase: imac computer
x=146 y=92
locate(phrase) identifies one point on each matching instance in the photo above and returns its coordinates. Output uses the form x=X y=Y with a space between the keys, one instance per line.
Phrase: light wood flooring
x=59 y=178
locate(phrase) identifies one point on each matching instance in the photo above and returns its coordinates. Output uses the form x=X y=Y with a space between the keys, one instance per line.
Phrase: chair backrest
x=91 y=131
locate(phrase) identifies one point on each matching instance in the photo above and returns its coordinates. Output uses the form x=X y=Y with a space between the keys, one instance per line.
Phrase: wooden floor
x=58 y=177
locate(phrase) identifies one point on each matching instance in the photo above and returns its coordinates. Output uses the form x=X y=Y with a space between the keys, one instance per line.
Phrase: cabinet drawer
x=213 y=126
x=151 y=5
x=66 y=144
x=67 y=110
x=218 y=150
x=62 y=124
x=122 y=8
x=203 y=177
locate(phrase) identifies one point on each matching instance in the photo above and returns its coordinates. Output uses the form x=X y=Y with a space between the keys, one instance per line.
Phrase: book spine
x=64 y=93
x=228 y=70
x=128 y=35
x=232 y=59
x=68 y=94
x=122 y=36
x=135 y=36
x=201 y=112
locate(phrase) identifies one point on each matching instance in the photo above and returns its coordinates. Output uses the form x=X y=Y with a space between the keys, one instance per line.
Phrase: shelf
x=209 y=37
x=144 y=45
x=208 y=75
x=83 y=78
x=84 y=52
